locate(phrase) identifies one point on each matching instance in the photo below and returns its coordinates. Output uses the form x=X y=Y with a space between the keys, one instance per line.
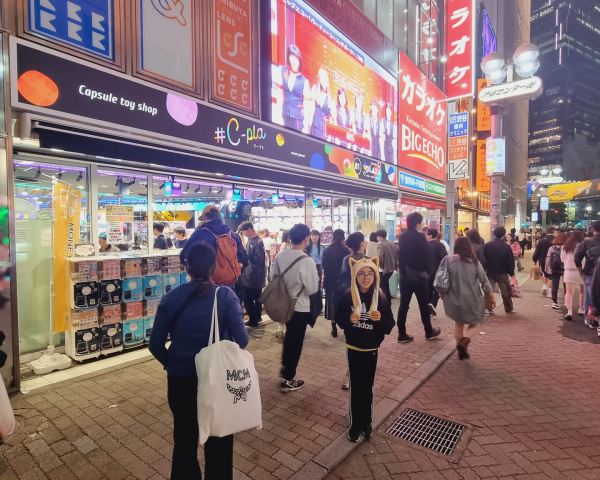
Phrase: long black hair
x=311 y=244
x=201 y=261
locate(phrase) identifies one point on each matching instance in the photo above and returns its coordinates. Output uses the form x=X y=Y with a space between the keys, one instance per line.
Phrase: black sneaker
x=404 y=338
x=367 y=431
x=291 y=385
x=434 y=333
x=432 y=311
x=251 y=324
x=353 y=435
x=568 y=317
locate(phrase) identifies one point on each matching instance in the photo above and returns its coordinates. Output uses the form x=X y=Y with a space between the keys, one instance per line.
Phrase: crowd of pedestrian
x=355 y=276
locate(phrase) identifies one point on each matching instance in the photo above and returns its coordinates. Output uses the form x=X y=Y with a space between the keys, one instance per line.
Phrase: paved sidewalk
x=118 y=425
x=529 y=398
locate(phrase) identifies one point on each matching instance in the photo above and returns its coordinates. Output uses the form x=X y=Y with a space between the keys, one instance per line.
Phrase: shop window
x=322 y=217
x=122 y=211
x=170 y=55
x=51 y=217
x=280 y=211
x=87 y=25
x=340 y=214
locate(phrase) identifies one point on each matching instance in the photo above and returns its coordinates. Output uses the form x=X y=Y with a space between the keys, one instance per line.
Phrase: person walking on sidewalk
x=571 y=277
x=589 y=250
x=463 y=301
x=253 y=276
x=437 y=253
x=555 y=266
x=413 y=259
x=333 y=256
x=500 y=266
x=388 y=260
x=301 y=282
x=366 y=317
x=539 y=255
x=186 y=314
x=515 y=246
x=477 y=243
x=315 y=251
x=372 y=245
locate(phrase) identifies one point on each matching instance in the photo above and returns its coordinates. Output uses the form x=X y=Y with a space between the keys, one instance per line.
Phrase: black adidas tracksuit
x=363 y=339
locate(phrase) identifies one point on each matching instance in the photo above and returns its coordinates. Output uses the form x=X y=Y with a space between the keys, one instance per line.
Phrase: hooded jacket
x=365 y=334
x=218 y=228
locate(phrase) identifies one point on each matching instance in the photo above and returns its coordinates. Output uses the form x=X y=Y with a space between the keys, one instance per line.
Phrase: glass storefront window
x=122 y=211
x=43 y=190
x=340 y=214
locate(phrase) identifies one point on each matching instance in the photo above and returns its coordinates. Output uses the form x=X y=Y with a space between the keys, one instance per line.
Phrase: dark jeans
x=218 y=452
x=320 y=274
x=421 y=291
x=362 y=367
x=253 y=306
x=295 y=330
x=435 y=296
x=504 y=284
x=384 y=284
x=555 y=283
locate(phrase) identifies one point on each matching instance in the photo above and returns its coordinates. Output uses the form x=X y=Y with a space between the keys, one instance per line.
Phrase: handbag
x=515 y=290
x=228 y=389
x=7 y=417
x=441 y=281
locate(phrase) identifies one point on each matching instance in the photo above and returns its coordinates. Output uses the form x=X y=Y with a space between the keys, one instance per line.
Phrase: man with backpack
x=231 y=255
x=555 y=266
x=590 y=250
x=293 y=279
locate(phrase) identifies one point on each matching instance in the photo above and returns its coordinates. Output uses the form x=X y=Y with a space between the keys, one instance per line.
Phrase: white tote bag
x=7 y=418
x=228 y=391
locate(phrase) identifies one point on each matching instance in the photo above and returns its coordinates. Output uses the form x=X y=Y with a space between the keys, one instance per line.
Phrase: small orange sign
x=482 y=180
x=484 y=118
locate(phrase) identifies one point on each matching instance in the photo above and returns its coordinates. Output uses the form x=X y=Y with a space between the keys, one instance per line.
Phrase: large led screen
x=323 y=85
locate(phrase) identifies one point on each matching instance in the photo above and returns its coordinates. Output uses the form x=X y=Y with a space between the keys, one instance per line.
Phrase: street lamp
x=525 y=62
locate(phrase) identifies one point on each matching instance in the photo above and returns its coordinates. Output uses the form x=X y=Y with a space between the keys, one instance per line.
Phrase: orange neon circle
x=37 y=88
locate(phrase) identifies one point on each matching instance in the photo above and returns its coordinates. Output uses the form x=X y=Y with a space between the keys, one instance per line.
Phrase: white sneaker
x=544 y=290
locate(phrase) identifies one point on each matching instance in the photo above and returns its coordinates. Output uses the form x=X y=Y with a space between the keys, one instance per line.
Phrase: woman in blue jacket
x=186 y=313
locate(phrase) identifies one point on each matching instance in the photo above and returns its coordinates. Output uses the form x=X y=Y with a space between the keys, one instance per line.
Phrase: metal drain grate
x=428 y=431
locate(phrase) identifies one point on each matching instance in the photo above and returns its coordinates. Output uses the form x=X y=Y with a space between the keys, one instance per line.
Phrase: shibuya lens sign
x=423 y=123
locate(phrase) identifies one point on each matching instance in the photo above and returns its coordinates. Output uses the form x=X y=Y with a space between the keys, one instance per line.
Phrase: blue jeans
x=588 y=294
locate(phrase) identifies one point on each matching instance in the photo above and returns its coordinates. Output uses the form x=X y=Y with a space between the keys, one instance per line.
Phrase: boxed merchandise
x=133 y=332
x=152 y=286
x=134 y=310
x=86 y=271
x=111 y=314
x=184 y=278
x=131 y=267
x=150 y=307
x=132 y=289
x=110 y=292
x=111 y=338
x=171 y=264
x=111 y=269
x=85 y=294
x=171 y=281
x=84 y=318
x=148 y=324
x=86 y=343
x=152 y=265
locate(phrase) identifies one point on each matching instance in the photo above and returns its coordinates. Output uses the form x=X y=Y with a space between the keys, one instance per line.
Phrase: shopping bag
x=536 y=273
x=515 y=290
x=228 y=390
x=7 y=418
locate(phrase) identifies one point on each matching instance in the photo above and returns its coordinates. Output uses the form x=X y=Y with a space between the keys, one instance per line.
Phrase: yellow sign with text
x=564 y=192
x=483 y=183
x=67 y=210
x=484 y=118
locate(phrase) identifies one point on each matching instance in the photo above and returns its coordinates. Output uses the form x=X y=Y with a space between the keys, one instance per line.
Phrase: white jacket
x=303 y=274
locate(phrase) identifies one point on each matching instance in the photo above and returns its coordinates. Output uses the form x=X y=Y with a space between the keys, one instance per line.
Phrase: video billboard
x=323 y=85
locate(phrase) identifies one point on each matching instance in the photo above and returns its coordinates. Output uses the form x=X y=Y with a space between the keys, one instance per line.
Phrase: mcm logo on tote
x=240 y=392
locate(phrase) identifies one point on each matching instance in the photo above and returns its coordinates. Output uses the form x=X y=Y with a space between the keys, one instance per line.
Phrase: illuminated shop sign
x=416 y=183
x=51 y=83
x=460 y=48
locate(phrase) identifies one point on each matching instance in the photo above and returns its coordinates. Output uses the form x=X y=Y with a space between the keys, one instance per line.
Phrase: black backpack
x=556 y=264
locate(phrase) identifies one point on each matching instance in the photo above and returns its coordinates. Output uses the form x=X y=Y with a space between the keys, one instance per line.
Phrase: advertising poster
x=49 y=83
x=233 y=56
x=423 y=123
x=119 y=221
x=483 y=181
x=495 y=156
x=567 y=191
x=323 y=85
x=174 y=59
x=460 y=48
x=67 y=208
x=484 y=117
x=458 y=146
